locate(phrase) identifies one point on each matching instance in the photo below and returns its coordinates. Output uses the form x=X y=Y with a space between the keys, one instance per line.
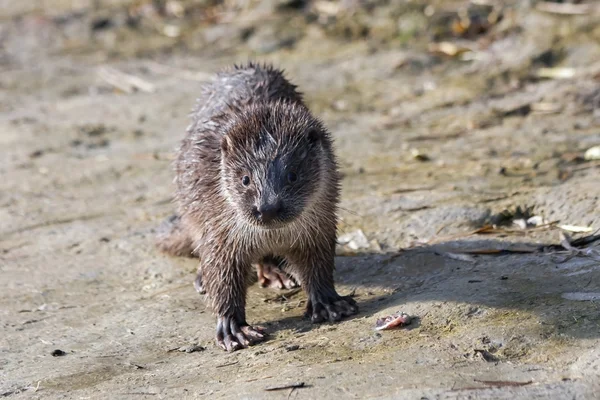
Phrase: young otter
x=257 y=181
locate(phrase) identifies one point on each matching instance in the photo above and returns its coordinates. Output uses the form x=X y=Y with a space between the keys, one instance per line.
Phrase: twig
x=256 y=379
x=227 y=365
x=518 y=250
x=290 y=393
x=125 y=82
x=585 y=166
x=283 y=387
x=565 y=8
x=567 y=243
x=283 y=297
x=503 y=383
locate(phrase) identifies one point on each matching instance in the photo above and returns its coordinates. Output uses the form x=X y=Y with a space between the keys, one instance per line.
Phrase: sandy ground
x=86 y=179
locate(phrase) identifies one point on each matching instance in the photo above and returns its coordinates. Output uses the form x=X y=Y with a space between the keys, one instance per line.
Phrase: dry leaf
x=593 y=153
x=556 y=73
x=576 y=229
x=448 y=49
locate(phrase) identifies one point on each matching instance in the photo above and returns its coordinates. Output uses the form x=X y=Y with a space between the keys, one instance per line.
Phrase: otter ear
x=225 y=144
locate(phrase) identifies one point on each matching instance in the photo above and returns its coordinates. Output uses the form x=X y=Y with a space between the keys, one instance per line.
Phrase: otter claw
x=230 y=344
x=232 y=335
x=330 y=310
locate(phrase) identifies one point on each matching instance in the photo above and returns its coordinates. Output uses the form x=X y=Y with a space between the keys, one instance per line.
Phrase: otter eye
x=246 y=180
x=292 y=177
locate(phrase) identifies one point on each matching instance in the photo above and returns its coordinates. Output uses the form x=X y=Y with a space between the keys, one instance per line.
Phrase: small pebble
x=191 y=349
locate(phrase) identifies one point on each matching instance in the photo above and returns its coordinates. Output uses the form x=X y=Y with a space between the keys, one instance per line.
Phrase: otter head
x=271 y=162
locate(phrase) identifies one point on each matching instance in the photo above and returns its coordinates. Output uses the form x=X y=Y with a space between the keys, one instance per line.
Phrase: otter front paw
x=331 y=308
x=273 y=277
x=233 y=335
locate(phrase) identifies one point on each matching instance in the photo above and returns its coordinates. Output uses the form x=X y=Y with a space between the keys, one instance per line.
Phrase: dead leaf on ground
x=593 y=153
x=556 y=73
x=418 y=155
x=546 y=108
x=576 y=229
x=448 y=49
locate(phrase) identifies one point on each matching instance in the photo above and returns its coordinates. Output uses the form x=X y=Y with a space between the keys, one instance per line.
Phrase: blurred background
x=454 y=121
x=467 y=97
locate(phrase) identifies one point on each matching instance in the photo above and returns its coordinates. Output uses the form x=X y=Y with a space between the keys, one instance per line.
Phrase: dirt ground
x=435 y=141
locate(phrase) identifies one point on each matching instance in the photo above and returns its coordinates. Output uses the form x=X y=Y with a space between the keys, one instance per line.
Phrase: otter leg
x=314 y=270
x=270 y=274
x=225 y=284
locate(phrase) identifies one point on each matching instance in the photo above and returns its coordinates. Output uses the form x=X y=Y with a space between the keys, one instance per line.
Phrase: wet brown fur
x=252 y=121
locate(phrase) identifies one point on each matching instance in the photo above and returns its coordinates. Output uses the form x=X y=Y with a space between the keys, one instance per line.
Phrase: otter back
x=234 y=88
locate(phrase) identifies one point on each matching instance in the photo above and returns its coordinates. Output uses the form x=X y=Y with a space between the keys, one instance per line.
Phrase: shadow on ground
x=513 y=285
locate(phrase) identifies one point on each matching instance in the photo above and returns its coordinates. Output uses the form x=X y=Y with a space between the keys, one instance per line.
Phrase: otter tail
x=173 y=239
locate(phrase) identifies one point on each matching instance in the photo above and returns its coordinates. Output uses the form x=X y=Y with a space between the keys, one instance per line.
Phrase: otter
x=257 y=184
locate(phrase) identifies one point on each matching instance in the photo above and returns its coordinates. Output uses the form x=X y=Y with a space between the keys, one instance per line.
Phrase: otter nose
x=268 y=212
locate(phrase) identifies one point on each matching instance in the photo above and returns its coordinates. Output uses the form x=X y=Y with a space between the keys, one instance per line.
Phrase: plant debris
x=593 y=153
x=576 y=229
x=125 y=82
x=398 y=320
x=418 y=155
x=295 y=385
x=572 y=248
x=282 y=297
x=188 y=349
x=486 y=355
x=448 y=49
x=556 y=73
x=503 y=383
x=565 y=8
x=226 y=364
